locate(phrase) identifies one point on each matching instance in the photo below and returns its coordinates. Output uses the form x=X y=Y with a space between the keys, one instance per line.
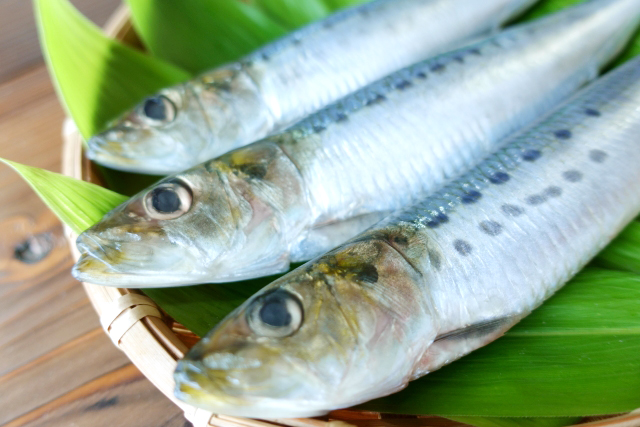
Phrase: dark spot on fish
x=296 y=41
x=34 y=248
x=435 y=259
x=341 y=117
x=265 y=56
x=536 y=200
x=458 y=58
x=102 y=403
x=368 y=273
x=475 y=51
x=328 y=24
x=437 y=68
x=531 y=155
x=421 y=75
x=253 y=170
x=378 y=99
x=572 y=176
x=437 y=220
x=319 y=128
x=462 y=247
x=512 y=210
x=491 y=228
x=598 y=156
x=553 y=191
x=562 y=134
x=471 y=197
x=499 y=178
x=400 y=240
x=402 y=85
x=592 y=112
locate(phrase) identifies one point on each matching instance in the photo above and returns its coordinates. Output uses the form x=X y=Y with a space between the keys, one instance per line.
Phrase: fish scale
x=447 y=114
x=438 y=279
x=570 y=201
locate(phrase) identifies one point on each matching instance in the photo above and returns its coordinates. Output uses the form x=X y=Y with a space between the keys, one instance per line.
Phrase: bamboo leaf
x=78 y=204
x=339 y=4
x=576 y=355
x=96 y=78
x=624 y=252
x=294 y=13
x=199 y=35
x=517 y=422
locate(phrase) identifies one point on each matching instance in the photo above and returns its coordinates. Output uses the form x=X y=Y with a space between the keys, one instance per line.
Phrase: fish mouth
x=129 y=157
x=131 y=265
x=196 y=387
x=110 y=154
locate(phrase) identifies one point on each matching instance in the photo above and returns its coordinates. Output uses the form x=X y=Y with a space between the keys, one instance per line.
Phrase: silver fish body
x=299 y=193
x=436 y=280
x=287 y=80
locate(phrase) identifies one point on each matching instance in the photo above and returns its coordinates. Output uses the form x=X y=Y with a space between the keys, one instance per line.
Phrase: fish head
x=333 y=333
x=186 y=124
x=223 y=220
x=162 y=134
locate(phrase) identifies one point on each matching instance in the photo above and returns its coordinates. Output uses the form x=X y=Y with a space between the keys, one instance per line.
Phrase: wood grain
x=19 y=47
x=102 y=402
x=57 y=367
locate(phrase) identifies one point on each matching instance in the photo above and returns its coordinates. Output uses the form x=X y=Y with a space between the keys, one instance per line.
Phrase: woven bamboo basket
x=154 y=342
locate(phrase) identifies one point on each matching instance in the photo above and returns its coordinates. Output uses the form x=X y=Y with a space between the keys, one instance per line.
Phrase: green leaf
x=294 y=13
x=78 y=204
x=199 y=35
x=624 y=252
x=96 y=78
x=517 y=422
x=339 y=4
x=576 y=355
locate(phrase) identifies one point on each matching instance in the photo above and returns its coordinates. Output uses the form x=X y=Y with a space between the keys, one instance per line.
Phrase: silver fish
x=287 y=80
x=407 y=297
x=297 y=194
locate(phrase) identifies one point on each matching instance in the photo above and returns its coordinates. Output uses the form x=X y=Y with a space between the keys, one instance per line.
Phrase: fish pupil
x=154 y=108
x=165 y=200
x=274 y=313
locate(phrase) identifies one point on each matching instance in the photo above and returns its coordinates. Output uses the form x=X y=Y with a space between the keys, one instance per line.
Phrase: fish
x=297 y=194
x=407 y=297
x=283 y=82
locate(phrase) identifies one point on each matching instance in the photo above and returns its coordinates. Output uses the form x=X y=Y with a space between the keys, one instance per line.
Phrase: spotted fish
x=436 y=280
x=299 y=193
x=287 y=80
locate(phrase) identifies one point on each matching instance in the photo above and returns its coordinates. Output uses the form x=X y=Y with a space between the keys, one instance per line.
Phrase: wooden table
x=57 y=367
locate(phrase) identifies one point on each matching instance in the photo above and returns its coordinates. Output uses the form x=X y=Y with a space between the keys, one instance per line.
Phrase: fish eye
x=276 y=314
x=158 y=110
x=168 y=200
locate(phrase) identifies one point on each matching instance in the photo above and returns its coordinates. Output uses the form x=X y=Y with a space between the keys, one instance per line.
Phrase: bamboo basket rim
x=139 y=328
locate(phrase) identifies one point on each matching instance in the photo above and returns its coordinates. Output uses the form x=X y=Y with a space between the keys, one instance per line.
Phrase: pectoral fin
x=456 y=343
